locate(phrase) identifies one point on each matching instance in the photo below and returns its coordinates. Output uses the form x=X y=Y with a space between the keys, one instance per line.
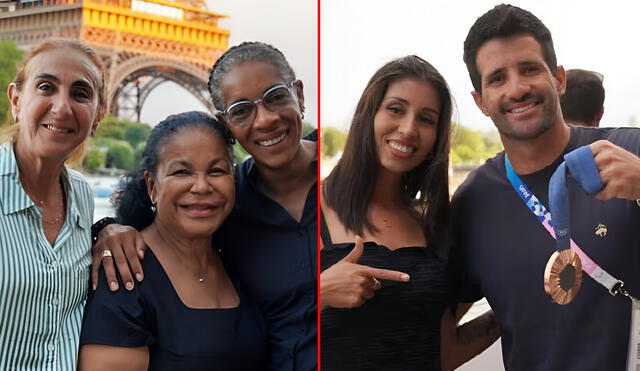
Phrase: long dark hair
x=133 y=205
x=350 y=185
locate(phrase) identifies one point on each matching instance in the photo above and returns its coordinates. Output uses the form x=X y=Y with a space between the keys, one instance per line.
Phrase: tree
x=470 y=147
x=120 y=155
x=332 y=141
x=111 y=127
x=121 y=140
x=10 y=56
x=94 y=160
x=136 y=133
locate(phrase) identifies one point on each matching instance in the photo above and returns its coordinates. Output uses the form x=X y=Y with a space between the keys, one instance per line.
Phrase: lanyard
x=612 y=284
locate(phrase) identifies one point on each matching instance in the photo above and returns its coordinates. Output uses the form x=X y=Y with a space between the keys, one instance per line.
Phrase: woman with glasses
x=269 y=240
x=385 y=300
x=188 y=314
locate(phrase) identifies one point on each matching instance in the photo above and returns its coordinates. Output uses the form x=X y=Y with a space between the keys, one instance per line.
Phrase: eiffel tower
x=142 y=43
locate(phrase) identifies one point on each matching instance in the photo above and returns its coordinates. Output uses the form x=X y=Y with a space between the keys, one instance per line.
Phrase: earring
x=153 y=205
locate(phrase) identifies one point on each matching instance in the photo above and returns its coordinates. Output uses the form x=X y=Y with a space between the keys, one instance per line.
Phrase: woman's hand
x=127 y=248
x=347 y=284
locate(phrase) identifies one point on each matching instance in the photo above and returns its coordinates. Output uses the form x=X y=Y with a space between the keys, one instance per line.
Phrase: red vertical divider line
x=319 y=193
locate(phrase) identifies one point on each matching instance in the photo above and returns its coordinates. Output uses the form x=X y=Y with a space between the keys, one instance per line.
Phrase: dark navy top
x=500 y=251
x=275 y=257
x=178 y=337
x=399 y=328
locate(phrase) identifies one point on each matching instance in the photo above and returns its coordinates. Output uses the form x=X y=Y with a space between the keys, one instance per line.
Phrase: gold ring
x=106 y=253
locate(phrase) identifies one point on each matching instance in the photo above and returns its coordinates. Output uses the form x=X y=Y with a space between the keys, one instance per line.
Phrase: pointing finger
x=385 y=274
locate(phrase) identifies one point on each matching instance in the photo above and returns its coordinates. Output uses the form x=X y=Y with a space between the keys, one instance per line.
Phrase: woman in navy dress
x=189 y=313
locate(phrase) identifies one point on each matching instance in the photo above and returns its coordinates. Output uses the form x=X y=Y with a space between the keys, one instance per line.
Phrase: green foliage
x=136 y=133
x=95 y=160
x=470 y=147
x=239 y=153
x=307 y=129
x=121 y=143
x=332 y=141
x=111 y=127
x=10 y=56
x=120 y=155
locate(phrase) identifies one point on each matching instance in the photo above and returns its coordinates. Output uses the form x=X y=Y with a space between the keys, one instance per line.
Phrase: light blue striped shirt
x=43 y=288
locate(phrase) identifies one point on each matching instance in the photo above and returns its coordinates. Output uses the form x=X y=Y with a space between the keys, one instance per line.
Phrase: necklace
x=60 y=206
x=203 y=274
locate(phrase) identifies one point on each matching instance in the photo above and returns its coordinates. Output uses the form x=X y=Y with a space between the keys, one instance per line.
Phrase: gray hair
x=244 y=52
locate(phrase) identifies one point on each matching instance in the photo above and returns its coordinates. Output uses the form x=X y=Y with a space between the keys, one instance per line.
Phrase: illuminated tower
x=142 y=43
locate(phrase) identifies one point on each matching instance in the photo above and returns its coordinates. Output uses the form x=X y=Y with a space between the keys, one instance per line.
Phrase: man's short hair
x=503 y=21
x=583 y=99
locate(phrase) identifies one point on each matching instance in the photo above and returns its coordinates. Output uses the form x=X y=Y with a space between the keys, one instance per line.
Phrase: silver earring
x=154 y=208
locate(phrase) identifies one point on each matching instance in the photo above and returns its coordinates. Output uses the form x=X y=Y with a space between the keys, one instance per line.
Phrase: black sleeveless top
x=399 y=329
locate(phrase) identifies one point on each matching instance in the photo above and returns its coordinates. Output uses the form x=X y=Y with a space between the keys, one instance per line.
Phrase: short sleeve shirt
x=501 y=250
x=179 y=338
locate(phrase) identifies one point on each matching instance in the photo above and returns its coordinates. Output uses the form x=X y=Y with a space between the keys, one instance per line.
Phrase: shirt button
x=51 y=347
x=54 y=301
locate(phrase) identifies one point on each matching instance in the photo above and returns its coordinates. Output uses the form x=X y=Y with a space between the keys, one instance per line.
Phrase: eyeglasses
x=279 y=97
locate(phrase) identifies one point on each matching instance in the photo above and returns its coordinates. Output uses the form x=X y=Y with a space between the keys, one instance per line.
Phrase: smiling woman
x=180 y=193
x=269 y=239
x=57 y=99
x=385 y=301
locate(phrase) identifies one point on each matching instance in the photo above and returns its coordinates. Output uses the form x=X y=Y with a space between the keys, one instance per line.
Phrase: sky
x=359 y=36
x=289 y=25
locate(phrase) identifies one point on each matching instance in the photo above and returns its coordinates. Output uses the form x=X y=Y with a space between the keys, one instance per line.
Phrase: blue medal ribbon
x=581 y=165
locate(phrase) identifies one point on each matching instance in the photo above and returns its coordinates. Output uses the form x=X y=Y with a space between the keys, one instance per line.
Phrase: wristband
x=98 y=226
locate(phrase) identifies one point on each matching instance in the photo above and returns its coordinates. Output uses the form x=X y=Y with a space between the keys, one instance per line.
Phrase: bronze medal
x=563 y=276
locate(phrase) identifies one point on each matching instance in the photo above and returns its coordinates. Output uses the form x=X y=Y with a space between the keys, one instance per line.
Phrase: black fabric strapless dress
x=399 y=329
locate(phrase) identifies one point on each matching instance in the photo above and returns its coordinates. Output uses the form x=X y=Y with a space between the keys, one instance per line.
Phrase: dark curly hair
x=133 y=205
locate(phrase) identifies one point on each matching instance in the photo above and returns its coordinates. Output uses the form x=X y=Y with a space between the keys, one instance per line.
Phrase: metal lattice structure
x=142 y=43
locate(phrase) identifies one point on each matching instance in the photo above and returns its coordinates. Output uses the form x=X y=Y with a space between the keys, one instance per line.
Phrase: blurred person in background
x=583 y=99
